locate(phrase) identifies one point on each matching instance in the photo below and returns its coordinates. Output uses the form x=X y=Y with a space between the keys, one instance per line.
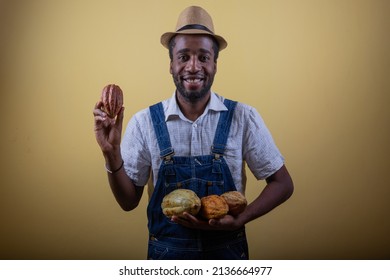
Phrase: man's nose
x=193 y=65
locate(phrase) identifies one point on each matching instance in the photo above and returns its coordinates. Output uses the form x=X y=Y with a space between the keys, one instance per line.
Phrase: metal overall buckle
x=168 y=158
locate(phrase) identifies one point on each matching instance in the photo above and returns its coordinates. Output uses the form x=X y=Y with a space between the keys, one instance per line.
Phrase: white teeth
x=193 y=80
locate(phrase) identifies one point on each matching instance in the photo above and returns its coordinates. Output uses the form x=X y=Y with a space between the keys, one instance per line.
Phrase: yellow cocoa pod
x=179 y=201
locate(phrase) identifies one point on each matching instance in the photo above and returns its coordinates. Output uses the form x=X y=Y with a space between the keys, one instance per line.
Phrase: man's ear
x=170 y=67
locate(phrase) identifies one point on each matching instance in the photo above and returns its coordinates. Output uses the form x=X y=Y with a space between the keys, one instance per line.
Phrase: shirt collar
x=173 y=109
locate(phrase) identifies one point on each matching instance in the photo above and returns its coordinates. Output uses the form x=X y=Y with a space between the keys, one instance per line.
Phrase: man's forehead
x=188 y=50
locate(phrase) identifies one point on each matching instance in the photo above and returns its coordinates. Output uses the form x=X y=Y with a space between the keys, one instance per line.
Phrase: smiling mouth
x=193 y=81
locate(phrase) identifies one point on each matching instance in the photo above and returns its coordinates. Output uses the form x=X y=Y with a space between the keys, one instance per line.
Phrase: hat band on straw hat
x=195 y=26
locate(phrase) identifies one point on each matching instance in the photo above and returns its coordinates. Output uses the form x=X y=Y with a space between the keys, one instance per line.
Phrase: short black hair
x=215 y=47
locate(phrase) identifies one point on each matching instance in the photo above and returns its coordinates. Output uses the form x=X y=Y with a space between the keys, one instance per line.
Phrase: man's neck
x=192 y=110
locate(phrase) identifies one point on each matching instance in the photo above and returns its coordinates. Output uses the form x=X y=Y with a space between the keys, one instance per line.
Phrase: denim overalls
x=205 y=175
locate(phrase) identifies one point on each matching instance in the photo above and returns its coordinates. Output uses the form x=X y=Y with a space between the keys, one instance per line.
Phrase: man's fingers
x=213 y=222
x=119 y=118
x=97 y=111
x=99 y=105
x=99 y=119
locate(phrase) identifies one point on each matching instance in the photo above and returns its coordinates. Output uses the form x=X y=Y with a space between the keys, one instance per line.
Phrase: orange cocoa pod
x=112 y=98
x=213 y=207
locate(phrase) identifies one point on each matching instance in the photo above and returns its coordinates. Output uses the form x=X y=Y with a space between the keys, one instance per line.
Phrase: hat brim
x=166 y=37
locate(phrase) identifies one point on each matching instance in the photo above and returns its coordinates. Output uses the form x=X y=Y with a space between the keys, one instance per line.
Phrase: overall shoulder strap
x=161 y=129
x=223 y=127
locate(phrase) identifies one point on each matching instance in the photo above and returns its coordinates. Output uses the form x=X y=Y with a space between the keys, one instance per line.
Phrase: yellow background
x=317 y=71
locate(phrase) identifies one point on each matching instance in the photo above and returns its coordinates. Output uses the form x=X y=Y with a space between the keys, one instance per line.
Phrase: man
x=195 y=140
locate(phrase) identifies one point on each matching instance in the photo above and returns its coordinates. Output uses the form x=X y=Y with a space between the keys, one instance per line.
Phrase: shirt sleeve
x=135 y=151
x=259 y=150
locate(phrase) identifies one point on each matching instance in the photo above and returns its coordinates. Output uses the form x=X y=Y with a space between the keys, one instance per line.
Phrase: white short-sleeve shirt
x=249 y=141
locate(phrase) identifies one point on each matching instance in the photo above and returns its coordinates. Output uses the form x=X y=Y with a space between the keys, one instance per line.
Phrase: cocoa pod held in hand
x=213 y=207
x=179 y=201
x=236 y=201
x=112 y=98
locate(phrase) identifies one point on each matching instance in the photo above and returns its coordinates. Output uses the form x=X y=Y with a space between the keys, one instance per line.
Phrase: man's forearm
x=125 y=192
x=278 y=189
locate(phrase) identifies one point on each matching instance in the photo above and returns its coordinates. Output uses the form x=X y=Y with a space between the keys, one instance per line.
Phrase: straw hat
x=194 y=20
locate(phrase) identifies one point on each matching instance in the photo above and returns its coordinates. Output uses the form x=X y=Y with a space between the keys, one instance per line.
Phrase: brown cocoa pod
x=112 y=99
x=236 y=202
x=213 y=207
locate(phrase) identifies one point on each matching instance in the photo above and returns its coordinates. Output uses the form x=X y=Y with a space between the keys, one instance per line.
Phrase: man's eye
x=182 y=57
x=204 y=58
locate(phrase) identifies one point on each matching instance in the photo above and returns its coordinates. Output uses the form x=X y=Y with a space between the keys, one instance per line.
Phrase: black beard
x=191 y=96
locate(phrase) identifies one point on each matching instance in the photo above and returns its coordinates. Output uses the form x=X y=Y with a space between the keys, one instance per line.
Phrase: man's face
x=193 y=67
